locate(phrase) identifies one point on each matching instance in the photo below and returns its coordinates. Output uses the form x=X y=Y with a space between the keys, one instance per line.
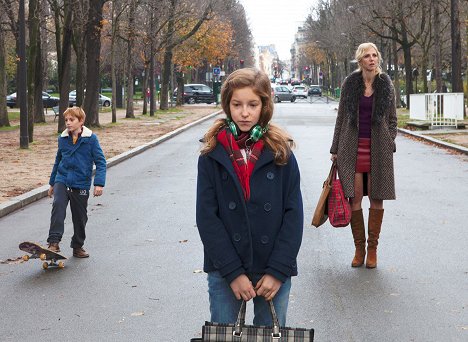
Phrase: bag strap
x=275 y=334
x=331 y=174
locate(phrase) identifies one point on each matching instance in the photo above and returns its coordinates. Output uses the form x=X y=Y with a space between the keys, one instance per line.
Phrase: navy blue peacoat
x=258 y=236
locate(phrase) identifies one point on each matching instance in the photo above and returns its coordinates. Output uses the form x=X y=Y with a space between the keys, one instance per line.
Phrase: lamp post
x=21 y=75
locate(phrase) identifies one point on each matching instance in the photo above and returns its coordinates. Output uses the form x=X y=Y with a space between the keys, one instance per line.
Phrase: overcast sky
x=276 y=21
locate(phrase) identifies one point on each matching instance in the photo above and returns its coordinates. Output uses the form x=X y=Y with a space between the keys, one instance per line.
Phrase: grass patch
x=13 y=115
x=9 y=128
x=402 y=117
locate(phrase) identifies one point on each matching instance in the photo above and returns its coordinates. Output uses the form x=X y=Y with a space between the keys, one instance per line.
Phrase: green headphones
x=256 y=132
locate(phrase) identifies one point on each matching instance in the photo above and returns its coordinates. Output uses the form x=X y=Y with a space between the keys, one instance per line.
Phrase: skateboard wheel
x=43 y=256
x=25 y=257
x=45 y=265
x=61 y=264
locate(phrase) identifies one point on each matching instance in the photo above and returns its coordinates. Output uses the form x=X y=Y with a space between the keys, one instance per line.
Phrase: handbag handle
x=275 y=334
x=331 y=174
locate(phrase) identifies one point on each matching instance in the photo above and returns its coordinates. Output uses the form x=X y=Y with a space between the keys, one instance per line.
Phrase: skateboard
x=39 y=252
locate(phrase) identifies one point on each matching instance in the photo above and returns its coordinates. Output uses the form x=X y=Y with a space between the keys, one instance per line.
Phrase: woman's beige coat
x=383 y=133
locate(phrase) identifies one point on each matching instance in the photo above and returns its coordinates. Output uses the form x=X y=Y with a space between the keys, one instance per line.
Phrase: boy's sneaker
x=54 y=247
x=80 y=253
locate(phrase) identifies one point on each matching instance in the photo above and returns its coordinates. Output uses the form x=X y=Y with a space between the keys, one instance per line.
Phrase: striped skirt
x=363 y=161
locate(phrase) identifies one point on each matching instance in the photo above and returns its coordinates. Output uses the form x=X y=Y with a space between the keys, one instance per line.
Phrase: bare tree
x=457 y=84
x=4 y=121
x=93 y=49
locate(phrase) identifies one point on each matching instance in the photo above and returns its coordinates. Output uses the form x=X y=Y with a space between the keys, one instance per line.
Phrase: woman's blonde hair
x=361 y=52
x=275 y=138
x=77 y=112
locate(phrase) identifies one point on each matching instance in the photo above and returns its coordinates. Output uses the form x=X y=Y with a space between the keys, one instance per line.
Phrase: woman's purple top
x=365 y=115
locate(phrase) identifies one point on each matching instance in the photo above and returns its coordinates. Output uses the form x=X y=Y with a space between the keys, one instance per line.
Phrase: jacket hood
x=86 y=133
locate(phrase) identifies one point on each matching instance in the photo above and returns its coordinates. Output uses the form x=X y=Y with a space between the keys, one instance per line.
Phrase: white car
x=300 y=91
x=104 y=101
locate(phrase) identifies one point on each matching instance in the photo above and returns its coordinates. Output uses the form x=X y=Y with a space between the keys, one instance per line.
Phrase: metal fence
x=440 y=109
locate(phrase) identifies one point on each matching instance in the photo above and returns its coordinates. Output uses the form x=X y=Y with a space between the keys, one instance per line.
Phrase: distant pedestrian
x=70 y=181
x=148 y=95
x=363 y=146
x=249 y=203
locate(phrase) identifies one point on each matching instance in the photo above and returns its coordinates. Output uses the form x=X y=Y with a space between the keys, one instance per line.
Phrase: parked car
x=283 y=93
x=196 y=93
x=315 y=90
x=104 y=101
x=300 y=91
x=47 y=100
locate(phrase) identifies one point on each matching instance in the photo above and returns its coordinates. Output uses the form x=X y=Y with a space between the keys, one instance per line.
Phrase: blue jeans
x=224 y=307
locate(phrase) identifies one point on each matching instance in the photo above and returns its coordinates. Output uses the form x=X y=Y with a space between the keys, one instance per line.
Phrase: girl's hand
x=51 y=191
x=333 y=157
x=242 y=288
x=268 y=286
x=98 y=190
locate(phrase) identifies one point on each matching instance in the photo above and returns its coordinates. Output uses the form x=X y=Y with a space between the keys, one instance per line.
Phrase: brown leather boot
x=375 y=223
x=80 y=253
x=54 y=247
x=359 y=235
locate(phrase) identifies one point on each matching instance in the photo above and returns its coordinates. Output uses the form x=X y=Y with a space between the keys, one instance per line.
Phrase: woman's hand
x=268 y=286
x=333 y=158
x=242 y=288
x=51 y=191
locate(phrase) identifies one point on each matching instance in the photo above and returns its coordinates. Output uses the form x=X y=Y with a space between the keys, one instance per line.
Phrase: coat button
x=264 y=239
x=236 y=237
x=224 y=175
x=217 y=264
x=294 y=265
x=267 y=206
x=270 y=175
x=232 y=205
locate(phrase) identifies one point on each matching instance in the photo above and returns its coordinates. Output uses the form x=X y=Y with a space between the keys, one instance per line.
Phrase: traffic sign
x=216 y=71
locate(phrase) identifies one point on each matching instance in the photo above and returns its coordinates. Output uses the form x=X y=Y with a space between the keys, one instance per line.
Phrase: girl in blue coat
x=249 y=203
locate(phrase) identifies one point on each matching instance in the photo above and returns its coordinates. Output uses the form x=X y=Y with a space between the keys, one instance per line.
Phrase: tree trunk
x=80 y=10
x=437 y=46
x=115 y=29
x=93 y=49
x=396 y=72
x=130 y=83
x=33 y=25
x=166 y=74
x=4 y=121
x=457 y=84
x=180 y=87
x=64 y=64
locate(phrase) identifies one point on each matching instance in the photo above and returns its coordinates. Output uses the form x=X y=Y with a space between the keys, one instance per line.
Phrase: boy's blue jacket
x=259 y=236
x=74 y=163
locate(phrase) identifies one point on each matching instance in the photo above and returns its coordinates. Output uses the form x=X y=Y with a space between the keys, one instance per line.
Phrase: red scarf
x=243 y=170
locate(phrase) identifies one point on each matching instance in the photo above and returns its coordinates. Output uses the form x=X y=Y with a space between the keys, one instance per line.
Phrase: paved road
x=142 y=282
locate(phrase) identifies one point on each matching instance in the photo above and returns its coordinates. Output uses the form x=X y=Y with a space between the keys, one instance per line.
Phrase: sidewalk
x=428 y=136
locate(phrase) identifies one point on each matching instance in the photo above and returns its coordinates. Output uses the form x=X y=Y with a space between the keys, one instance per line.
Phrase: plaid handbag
x=321 y=210
x=339 y=209
x=239 y=332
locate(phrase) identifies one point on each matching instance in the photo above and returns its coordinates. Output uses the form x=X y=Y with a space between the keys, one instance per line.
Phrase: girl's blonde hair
x=77 y=112
x=361 y=51
x=275 y=138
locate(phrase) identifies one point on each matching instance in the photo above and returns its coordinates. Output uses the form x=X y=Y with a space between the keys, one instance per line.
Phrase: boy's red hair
x=77 y=112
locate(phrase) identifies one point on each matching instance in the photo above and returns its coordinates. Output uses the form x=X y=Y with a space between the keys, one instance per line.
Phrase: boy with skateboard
x=70 y=180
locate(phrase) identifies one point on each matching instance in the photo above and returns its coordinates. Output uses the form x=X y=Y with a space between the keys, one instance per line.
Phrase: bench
x=56 y=112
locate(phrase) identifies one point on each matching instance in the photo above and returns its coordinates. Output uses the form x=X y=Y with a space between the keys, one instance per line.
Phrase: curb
x=34 y=195
x=440 y=143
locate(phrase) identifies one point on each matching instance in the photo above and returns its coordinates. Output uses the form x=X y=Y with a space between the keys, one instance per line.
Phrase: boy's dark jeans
x=78 y=204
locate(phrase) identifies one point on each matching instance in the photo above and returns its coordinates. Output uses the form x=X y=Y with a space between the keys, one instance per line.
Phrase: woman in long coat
x=363 y=147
